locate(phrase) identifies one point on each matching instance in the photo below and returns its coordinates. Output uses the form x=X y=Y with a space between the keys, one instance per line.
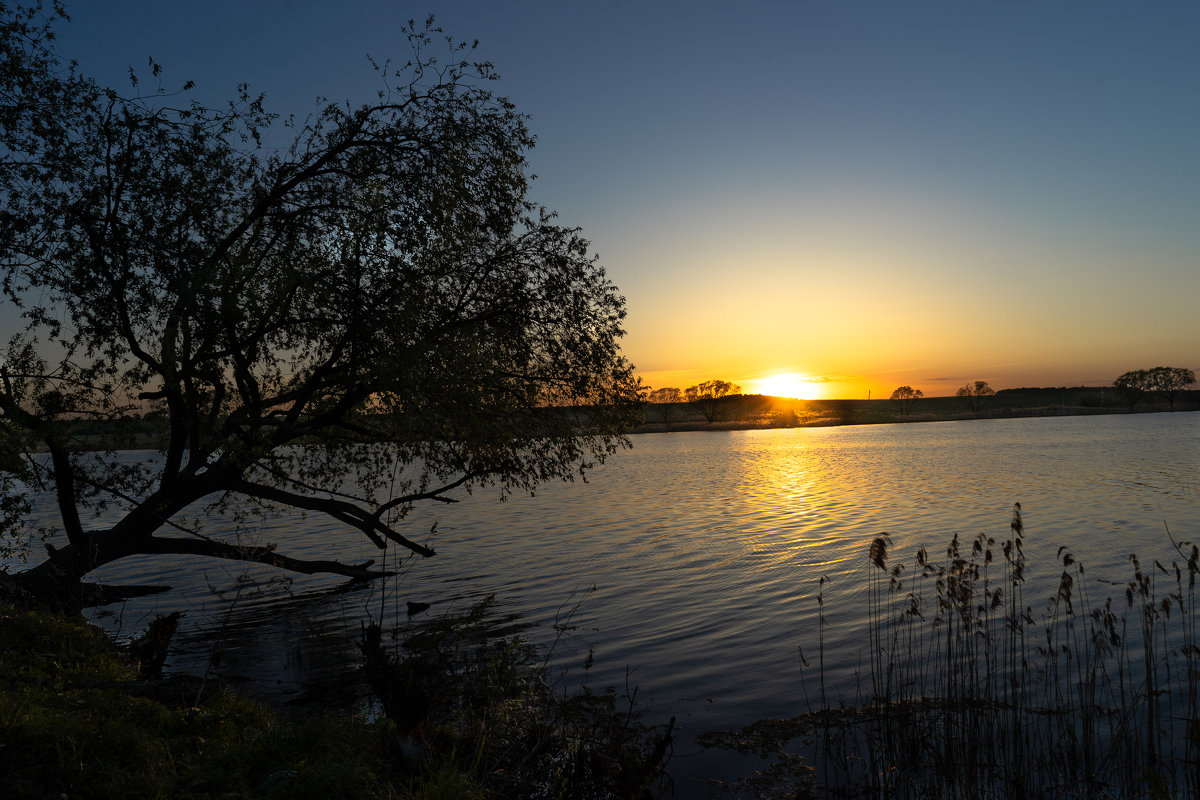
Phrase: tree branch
x=352 y=515
x=433 y=494
x=260 y=555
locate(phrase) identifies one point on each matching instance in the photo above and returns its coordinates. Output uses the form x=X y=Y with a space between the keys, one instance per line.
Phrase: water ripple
x=706 y=549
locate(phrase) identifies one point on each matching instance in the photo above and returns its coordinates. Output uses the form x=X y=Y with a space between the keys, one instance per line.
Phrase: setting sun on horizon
x=786 y=384
x=798 y=243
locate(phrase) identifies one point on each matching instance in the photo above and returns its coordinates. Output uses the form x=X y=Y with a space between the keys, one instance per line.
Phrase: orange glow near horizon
x=787 y=384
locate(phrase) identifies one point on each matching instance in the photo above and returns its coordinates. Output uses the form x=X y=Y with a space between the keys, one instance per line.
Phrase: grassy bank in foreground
x=461 y=714
x=73 y=724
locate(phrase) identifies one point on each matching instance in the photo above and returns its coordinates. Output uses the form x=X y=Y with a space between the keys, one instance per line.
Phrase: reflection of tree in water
x=298 y=648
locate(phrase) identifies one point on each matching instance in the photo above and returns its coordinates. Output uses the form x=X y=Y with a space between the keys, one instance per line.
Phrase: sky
x=847 y=196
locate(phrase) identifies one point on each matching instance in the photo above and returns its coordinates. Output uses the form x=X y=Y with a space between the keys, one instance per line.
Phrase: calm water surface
x=705 y=551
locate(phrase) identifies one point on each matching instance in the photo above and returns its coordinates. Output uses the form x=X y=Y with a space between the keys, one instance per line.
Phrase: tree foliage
x=378 y=295
x=707 y=397
x=664 y=403
x=1133 y=386
x=904 y=398
x=1165 y=382
x=973 y=396
x=669 y=394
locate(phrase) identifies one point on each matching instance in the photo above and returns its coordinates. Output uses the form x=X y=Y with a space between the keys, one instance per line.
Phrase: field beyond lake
x=743 y=412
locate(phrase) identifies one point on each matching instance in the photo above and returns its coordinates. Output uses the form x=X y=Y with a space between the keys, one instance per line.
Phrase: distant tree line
x=707 y=398
x=972 y=397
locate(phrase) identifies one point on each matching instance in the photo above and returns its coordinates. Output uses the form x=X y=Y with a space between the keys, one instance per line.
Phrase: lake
x=705 y=551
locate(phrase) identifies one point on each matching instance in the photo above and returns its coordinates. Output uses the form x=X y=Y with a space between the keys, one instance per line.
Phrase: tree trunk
x=57 y=582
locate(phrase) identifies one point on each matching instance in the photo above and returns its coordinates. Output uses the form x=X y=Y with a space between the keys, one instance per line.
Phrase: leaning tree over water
x=379 y=292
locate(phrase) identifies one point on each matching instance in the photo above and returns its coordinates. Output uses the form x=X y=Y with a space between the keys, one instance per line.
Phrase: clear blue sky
x=867 y=194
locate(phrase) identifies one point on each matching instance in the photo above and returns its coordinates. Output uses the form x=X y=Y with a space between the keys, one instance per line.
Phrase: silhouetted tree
x=707 y=397
x=1169 y=381
x=665 y=404
x=378 y=298
x=1133 y=386
x=904 y=398
x=973 y=396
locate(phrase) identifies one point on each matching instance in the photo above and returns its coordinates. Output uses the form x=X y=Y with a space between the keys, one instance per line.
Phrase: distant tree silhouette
x=707 y=397
x=664 y=403
x=973 y=396
x=1135 y=385
x=1169 y=381
x=904 y=398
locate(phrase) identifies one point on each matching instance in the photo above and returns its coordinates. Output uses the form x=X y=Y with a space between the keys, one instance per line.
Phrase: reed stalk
x=974 y=693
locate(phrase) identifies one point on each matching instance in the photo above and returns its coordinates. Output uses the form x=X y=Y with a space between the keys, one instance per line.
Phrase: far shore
x=760 y=412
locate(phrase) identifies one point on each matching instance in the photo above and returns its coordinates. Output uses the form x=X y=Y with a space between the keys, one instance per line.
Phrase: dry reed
x=971 y=691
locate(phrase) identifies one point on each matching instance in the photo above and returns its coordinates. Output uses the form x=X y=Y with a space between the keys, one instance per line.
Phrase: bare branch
x=342 y=511
x=432 y=494
x=160 y=545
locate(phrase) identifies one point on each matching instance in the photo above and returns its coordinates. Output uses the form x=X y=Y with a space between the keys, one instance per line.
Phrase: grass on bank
x=72 y=725
x=970 y=688
x=75 y=722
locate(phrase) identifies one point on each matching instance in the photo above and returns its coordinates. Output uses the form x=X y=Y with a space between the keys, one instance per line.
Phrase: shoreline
x=871 y=416
x=758 y=412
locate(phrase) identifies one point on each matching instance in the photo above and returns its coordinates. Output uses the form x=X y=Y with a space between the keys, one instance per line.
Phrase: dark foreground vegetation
x=971 y=688
x=468 y=715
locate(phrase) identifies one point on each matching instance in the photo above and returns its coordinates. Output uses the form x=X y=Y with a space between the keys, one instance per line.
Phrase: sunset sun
x=788 y=384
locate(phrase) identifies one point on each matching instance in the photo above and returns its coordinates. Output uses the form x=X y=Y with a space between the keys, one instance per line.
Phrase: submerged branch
x=261 y=555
